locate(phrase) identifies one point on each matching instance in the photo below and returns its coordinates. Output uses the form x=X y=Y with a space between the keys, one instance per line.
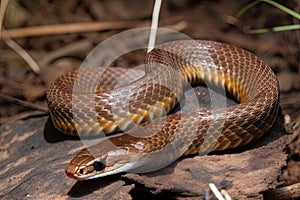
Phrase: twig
x=226 y=195
x=2 y=12
x=22 y=115
x=13 y=45
x=179 y=26
x=79 y=27
x=70 y=49
x=287 y=192
x=67 y=28
x=286 y=102
x=154 y=25
x=85 y=45
x=21 y=52
x=23 y=103
x=223 y=195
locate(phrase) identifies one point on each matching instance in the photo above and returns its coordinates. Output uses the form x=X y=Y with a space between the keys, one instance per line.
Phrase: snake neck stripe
x=82 y=103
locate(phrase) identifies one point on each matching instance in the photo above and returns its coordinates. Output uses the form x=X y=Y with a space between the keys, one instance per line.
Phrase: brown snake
x=160 y=140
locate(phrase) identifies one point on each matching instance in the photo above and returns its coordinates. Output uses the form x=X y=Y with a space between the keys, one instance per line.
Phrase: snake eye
x=98 y=165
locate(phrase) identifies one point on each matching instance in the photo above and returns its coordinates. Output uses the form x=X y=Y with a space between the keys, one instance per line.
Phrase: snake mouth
x=71 y=172
x=73 y=176
x=79 y=172
x=79 y=177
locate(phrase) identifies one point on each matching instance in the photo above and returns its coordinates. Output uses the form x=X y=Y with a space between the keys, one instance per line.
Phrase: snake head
x=100 y=160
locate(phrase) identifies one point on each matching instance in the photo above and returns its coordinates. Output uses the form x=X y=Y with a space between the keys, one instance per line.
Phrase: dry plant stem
x=2 y=12
x=216 y=192
x=20 y=116
x=179 y=26
x=67 y=28
x=23 y=103
x=78 y=27
x=14 y=85
x=154 y=25
x=12 y=44
x=70 y=49
x=287 y=192
x=21 y=52
x=287 y=102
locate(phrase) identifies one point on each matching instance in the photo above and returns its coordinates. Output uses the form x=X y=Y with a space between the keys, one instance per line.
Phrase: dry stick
x=70 y=49
x=66 y=28
x=6 y=35
x=20 y=116
x=287 y=102
x=154 y=25
x=83 y=45
x=23 y=103
x=179 y=26
x=3 y=7
x=287 y=192
x=13 y=45
x=79 y=27
x=21 y=52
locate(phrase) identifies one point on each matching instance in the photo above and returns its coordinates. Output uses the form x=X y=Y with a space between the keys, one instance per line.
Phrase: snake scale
x=152 y=139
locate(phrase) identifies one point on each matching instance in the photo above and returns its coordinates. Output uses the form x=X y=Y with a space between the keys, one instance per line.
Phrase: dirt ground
x=23 y=84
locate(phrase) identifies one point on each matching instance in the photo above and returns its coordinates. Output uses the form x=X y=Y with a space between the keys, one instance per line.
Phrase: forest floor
x=57 y=50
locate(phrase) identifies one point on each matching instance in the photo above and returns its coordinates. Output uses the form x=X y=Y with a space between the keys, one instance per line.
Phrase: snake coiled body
x=158 y=140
